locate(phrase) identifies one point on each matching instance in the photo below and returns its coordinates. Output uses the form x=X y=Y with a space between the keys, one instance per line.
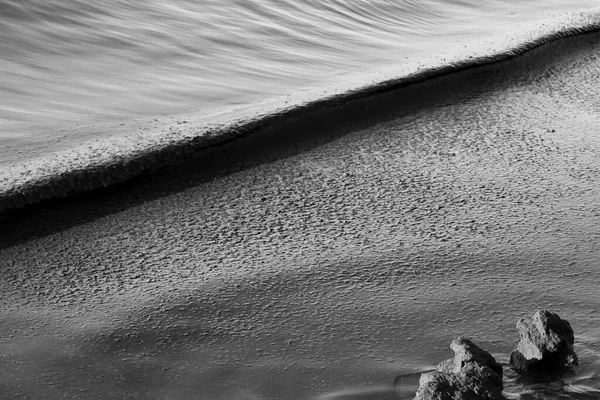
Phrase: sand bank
x=343 y=253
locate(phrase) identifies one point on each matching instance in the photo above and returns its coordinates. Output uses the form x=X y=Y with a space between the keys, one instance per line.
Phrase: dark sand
x=327 y=258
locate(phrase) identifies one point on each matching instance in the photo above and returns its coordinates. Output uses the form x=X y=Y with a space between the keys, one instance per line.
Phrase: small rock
x=546 y=344
x=473 y=374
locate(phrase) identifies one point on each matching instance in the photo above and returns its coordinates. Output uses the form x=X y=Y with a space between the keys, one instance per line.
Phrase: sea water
x=72 y=71
x=529 y=224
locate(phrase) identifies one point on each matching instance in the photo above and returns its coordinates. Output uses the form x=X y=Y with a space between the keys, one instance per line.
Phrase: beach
x=324 y=256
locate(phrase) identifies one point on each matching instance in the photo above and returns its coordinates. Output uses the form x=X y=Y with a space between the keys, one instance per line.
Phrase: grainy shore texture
x=325 y=258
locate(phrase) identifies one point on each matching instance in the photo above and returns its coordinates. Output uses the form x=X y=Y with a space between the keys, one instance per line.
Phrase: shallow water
x=75 y=66
x=329 y=267
x=581 y=383
x=336 y=272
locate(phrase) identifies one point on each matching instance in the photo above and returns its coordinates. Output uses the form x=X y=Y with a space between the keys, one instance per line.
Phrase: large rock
x=546 y=344
x=473 y=374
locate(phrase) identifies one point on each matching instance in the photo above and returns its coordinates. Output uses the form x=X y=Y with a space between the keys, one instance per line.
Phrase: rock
x=546 y=344
x=473 y=374
x=466 y=352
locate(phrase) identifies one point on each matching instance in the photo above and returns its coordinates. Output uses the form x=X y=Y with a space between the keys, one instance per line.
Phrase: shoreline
x=64 y=181
x=337 y=257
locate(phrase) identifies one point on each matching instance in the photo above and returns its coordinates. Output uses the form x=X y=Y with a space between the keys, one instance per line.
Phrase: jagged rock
x=473 y=374
x=546 y=344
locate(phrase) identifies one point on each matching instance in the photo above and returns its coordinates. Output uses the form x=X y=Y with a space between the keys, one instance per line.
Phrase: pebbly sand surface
x=325 y=258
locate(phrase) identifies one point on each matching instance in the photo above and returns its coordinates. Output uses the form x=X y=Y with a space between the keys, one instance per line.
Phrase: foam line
x=353 y=104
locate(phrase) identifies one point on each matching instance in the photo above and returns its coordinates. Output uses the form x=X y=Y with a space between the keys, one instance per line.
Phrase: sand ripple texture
x=333 y=260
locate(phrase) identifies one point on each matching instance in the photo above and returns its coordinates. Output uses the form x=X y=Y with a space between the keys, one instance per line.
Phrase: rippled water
x=331 y=271
x=70 y=62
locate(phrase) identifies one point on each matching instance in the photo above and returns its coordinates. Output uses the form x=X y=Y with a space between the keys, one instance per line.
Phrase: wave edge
x=78 y=180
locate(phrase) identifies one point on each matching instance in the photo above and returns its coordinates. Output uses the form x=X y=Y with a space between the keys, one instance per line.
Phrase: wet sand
x=326 y=257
